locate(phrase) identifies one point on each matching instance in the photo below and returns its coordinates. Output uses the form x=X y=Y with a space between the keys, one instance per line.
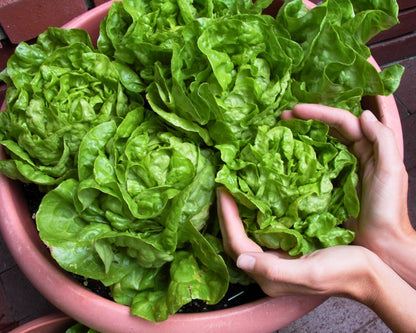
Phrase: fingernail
x=246 y=262
x=369 y=116
x=219 y=190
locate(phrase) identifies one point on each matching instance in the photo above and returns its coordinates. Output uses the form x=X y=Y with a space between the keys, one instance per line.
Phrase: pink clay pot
x=53 y=323
x=21 y=236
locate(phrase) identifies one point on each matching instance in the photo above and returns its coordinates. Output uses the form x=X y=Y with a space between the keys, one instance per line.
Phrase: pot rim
x=49 y=323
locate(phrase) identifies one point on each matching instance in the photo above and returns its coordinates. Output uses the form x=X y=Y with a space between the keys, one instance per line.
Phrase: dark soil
x=236 y=295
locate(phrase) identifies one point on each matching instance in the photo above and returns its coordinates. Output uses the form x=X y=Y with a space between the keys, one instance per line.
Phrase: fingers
x=234 y=236
x=385 y=148
x=347 y=126
x=319 y=272
x=275 y=275
x=343 y=121
x=271 y=273
x=246 y=262
x=265 y=264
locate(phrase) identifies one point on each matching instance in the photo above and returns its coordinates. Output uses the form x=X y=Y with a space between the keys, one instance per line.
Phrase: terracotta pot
x=54 y=323
x=20 y=234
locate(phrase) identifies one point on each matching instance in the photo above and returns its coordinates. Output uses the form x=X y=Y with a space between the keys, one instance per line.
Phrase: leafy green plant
x=129 y=140
x=132 y=220
x=295 y=185
x=58 y=89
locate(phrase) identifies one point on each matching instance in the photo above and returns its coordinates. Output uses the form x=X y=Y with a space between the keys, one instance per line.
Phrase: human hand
x=384 y=181
x=350 y=271
x=317 y=273
x=382 y=226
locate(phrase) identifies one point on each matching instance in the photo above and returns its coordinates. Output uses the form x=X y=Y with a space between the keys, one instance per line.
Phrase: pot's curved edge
x=80 y=22
x=53 y=323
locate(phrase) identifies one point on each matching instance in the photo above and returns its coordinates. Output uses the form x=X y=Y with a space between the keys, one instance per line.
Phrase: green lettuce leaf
x=335 y=70
x=295 y=186
x=58 y=89
x=230 y=74
x=135 y=217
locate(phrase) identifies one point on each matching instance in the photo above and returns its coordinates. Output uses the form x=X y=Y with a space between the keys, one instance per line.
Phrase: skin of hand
x=350 y=271
x=279 y=274
x=383 y=225
x=363 y=273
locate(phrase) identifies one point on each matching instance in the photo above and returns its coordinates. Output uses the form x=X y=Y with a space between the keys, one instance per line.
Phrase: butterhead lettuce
x=295 y=185
x=131 y=138
x=58 y=88
x=135 y=217
x=232 y=73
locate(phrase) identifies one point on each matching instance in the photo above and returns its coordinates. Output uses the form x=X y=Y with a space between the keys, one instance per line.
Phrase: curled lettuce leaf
x=136 y=216
x=295 y=186
x=335 y=70
x=236 y=80
x=58 y=89
x=230 y=74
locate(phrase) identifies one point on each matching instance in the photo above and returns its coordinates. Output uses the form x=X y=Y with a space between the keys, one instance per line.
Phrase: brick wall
x=398 y=42
x=23 y=20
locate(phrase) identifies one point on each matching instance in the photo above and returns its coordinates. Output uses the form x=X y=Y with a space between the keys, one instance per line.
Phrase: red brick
x=6 y=51
x=407 y=24
x=406 y=93
x=409 y=142
x=25 y=19
x=3 y=89
x=411 y=202
x=23 y=300
x=99 y=2
x=395 y=49
x=7 y=261
x=7 y=321
x=403 y=4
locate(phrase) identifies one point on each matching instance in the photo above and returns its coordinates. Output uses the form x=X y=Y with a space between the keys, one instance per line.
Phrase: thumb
x=269 y=265
x=277 y=276
x=235 y=239
x=246 y=262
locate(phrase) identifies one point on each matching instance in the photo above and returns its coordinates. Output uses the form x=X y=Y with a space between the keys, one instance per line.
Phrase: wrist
x=392 y=244
x=388 y=295
x=389 y=243
x=365 y=286
x=399 y=252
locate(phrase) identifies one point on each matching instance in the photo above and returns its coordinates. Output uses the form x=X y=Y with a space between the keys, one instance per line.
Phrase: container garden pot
x=53 y=323
x=32 y=256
